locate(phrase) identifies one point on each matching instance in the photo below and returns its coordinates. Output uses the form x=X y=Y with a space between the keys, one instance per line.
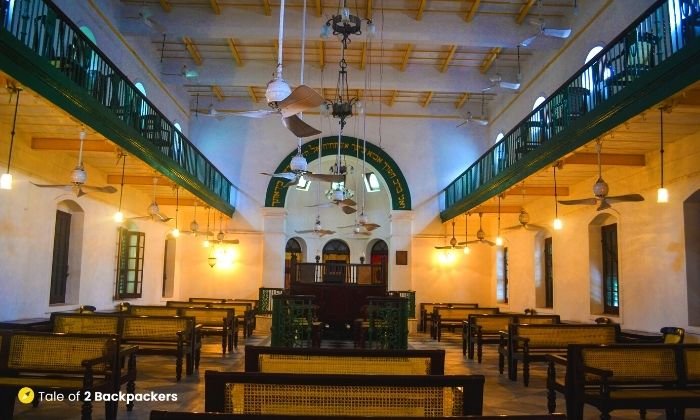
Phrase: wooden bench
x=533 y=342
x=164 y=335
x=444 y=317
x=344 y=361
x=180 y=415
x=426 y=311
x=65 y=364
x=482 y=329
x=215 y=321
x=244 y=310
x=153 y=310
x=343 y=395
x=626 y=376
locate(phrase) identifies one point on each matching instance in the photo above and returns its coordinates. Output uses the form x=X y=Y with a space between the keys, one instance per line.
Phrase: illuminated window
x=538 y=102
x=303 y=184
x=371 y=182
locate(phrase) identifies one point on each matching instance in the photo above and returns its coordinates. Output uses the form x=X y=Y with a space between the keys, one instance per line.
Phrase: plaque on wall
x=401 y=257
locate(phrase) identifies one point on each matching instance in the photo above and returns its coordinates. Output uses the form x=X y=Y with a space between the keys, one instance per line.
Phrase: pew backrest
x=75 y=323
x=559 y=336
x=153 y=310
x=460 y=314
x=210 y=317
x=157 y=328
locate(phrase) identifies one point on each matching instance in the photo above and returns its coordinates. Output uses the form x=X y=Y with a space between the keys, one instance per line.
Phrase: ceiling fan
x=194 y=226
x=346 y=204
x=298 y=167
x=145 y=15
x=153 y=209
x=317 y=229
x=453 y=241
x=285 y=101
x=600 y=191
x=544 y=30
x=79 y=177
x=480 y=236
x=498 y=82
x=524 y=220
x=362 y=222
x=186 y=73
x=480 y=121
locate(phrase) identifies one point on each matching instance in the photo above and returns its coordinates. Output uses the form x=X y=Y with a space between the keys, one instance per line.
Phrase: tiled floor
x=157 y=374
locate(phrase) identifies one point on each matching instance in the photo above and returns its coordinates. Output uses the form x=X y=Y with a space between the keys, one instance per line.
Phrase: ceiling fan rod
x=80 y=152
x=280 y=40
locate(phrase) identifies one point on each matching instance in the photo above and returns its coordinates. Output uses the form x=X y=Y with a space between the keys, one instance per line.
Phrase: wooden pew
x=343 y=395
x=444 y=317
x=153 y=310
x=179 y=415
x=426 y=312
x=216 y=321
x=480 y=329
x=244 y=311
x=533 y=342
x=344 y=361
x=63 y=363
x=626 y=376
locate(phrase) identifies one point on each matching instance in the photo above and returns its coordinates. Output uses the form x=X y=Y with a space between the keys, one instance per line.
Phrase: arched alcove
x=603 y=270
x=67 y=253
x=691 y=219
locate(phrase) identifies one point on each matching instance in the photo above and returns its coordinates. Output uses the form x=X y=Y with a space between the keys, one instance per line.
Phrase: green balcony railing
x=55 y=40
x=563 y=122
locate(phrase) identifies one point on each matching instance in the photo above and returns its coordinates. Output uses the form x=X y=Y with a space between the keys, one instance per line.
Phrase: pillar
x=274 y=242
x=401 y=231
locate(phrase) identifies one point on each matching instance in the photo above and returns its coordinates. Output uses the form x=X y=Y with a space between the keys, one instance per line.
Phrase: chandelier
x=345 y=24
x=338 y=191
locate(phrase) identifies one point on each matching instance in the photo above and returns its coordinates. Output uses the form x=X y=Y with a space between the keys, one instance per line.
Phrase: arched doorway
x=292 y=252
x=336 y=257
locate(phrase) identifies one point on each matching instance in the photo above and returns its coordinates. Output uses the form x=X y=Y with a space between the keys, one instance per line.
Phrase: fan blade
x=348 y=202
x=64 y=186
x=345 y=227
x=604 y=205
x=361 y=233
x=305 y=231
x=461 y=124
x=260 y=113
x=528 y=41
x=298 y=127
x=229 y=241
x=589 y=201
x=324 y=232
x=443 y=247
x=324 y=177
x=348 y=209
x=480 y=121
x=79 y=191
x=623 y=198
x=513 y=227
x=371 y=226
x=109 y=189
x=510 y=85
x=488 y=242
x=324 y=205
x=286 y=175
x=532 y=226
x=301 y=99
x=163 y=218
x=557 y=33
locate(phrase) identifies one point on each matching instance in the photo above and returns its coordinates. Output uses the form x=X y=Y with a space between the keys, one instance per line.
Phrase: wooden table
x=27 y=324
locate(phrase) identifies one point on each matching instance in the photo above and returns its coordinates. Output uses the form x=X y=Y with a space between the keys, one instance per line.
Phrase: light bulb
x=557 y=224
x=212 y=261
x=175 y=233
x=662 y=195
x=326 y=31
x=206 y=243
x=118 y=217
x=499 y=241
x=466 y=250
x=345 y=15
x=6 y=181
x=371 y=29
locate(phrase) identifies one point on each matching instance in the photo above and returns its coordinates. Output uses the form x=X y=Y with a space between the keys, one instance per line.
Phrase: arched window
x=379 y=253
x=538 y=102
x=691 y=210
x=292 y=252
x=67 y=253
x=500 y=154
x=336 y=251
x=142 y=89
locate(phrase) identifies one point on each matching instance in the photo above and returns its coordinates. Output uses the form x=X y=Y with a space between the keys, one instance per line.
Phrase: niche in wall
x=67 y=253
x=597 y=266
x=691 y=219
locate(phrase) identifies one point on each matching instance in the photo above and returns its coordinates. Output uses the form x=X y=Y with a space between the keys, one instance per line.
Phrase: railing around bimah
x=338 y=273
x=265 y=295
x=410 y=295
x=294 y=322
x=664 y=30
x=52 y=36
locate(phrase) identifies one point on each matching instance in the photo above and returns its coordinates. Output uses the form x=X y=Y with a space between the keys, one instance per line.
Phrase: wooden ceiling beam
x=448 y=59
x=218 y=93
x=406 y=56
x=165 y=5
x=421 y=8
x=138 y=180
x=251 y=93
x=539 y=191
x=192 y=49
x=267 y=8
x=368 y=11
x=472 y=10
x=524 y=10
x=428 y=98
x=490 y=58
x=215 y=6
x=181 y=202
x=58 y=144
x=319 y=8
x=460 y=102
x=321 y=55
x=492 y=209
x=234 y=51
x=617 y=159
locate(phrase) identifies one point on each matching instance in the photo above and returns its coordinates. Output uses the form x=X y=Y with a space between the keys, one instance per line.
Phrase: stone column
x=274 y=242
x=401 y=231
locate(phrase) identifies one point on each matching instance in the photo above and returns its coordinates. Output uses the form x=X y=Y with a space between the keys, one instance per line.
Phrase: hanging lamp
x=557 y=223
x=119 y=216
x=6 y=178
x=662 y=192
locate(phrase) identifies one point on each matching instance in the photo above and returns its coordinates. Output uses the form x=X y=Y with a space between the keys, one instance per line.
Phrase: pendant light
x=6 y=178
x=119 y=216
x=557 y=223
x=662 y=192
x=499 y=240
x=176 y=232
